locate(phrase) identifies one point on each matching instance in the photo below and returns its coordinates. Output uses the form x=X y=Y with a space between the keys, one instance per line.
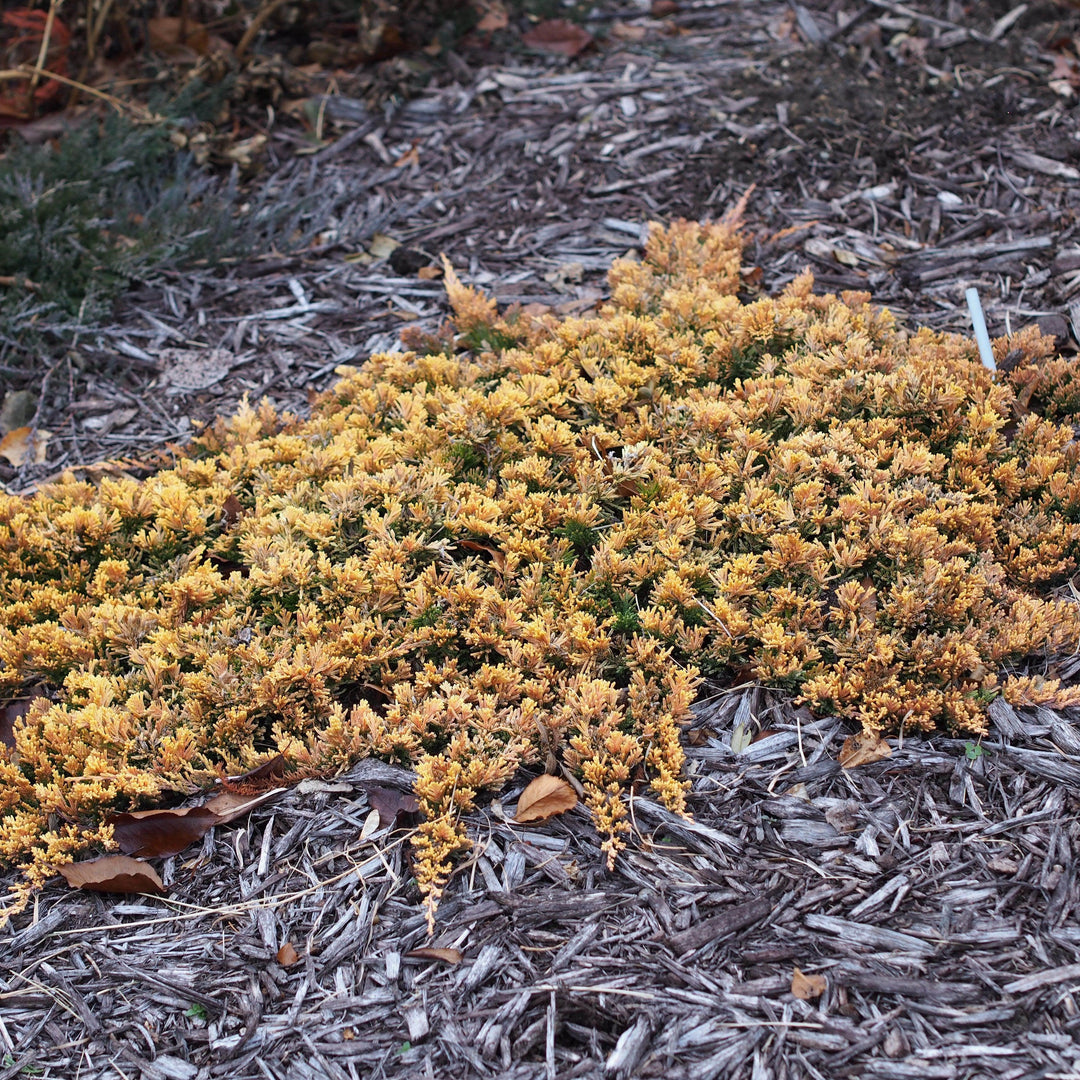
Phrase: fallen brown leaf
x=231 y=509
x=498 y=558
x=9 y=713
x=493 y=16
x=862 y=749
x=545 y=797
x=152 y=833
x=230 y=805
x=450 y=956
x=558 y=36
x=179 y=38
x=113 y=874
x=621 y=31
x=257 y=779
x=287 y=954
x=391 y=803
x=807 y=987
x=25 y=445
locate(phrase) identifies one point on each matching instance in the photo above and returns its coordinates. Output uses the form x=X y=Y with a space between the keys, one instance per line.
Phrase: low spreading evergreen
x=528 y=541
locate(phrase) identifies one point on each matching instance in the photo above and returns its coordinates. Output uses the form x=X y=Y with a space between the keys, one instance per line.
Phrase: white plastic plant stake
x=982 y=338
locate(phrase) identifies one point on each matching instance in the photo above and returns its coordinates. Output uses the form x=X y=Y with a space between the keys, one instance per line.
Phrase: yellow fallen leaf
x=545 y=797
x=862 y=749
x=23 y=444
x=381 y=245
x=807 y=987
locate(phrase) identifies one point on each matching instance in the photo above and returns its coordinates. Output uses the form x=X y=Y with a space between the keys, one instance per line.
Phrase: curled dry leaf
x=558 y=36
x=261 y=777
x=287 y=954
x=545 y=797
x=862 y=749
x=230 y=805
x=807 y=987
x=449 y=956
x=498 y=558
x=113 y=874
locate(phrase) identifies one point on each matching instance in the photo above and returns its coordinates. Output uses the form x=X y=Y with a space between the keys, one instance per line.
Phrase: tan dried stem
x=46 y=37
x=261 y=16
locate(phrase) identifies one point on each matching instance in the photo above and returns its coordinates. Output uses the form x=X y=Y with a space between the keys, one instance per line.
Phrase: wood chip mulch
x=914 y=151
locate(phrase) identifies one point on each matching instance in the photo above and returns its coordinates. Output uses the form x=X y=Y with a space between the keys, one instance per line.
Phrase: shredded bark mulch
x=911 y=150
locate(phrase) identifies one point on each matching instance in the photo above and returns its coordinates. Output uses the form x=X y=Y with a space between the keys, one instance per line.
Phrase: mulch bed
x=913 y=153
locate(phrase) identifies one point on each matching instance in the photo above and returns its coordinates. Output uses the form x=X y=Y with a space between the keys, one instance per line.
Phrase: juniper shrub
x=475 y=557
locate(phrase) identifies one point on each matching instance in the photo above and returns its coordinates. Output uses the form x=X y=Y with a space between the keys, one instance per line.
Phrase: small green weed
x=27 y=1070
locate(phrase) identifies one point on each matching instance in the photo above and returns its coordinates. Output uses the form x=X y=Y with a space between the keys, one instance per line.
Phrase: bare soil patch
x=911 y=154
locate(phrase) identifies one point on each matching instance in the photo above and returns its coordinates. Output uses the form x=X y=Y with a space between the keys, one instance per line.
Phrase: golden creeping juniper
x=532 y=537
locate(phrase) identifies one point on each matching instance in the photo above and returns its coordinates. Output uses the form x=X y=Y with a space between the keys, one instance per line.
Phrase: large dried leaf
x=23 y=445
x=807 y=987
x=862 y=749
x=558 y=36
x=152 y=833
x=545 y=797
x=113 y=874
x=391 y=803
x=160 y=833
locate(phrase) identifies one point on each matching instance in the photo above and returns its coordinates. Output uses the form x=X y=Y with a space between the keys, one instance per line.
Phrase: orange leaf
x=113 y=874
x=429 y=273
x=862 y=749
x=807 y=987
x=23 y=444
x=558 y=36
x=545 y=797
x=450 y=956
x=287 y=954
